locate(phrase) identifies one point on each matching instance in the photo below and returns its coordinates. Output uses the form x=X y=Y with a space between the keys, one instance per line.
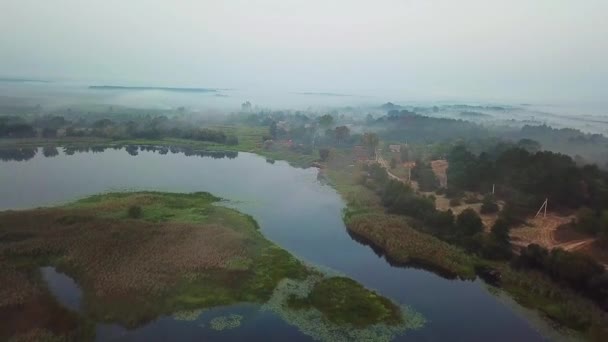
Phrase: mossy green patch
x=344 y=301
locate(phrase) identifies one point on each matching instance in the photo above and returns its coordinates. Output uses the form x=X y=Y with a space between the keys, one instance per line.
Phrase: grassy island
x=137 y=256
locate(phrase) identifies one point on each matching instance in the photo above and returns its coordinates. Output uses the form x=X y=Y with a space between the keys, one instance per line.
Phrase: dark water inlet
x=64 y=288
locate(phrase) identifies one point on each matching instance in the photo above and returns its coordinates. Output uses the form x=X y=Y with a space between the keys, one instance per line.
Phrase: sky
x=528 y=50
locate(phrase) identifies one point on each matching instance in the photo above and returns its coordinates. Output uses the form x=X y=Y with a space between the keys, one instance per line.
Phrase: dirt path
x=541 y=230
x=386 y=166
x=575 y=245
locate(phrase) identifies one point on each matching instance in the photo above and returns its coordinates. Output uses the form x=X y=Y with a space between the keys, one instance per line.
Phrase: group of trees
x=14 y=127
x=146 y=127
x=528 y=177
x=524 y=179
x=425 y=176
x=465 y=229
x=590 y=148
x=593 y=222
x=577 y=271
x=398 y=124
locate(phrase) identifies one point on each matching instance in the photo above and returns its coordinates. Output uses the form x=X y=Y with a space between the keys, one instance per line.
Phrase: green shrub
x=134 y=211
x=489 y=206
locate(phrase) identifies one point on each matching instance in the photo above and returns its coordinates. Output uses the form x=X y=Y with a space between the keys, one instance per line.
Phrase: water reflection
x=64 y=288
x=50 y=151
x=17 y=154
x=27 y=153
x=417 y=264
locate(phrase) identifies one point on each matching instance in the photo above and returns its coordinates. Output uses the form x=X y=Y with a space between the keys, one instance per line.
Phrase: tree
x=489 y=206
x=370 y=140
x=500 y=230
x=587 y=221
x=134 y=211
x=49 y=133
x=246 y=106
x=341 y=133
x=369 y=119
x=405 y=153
x=323 y=154
x=326 y=120
x=529 y=145
x=424 y=175
x=50 y=151
x=273 y=129
x=393 y=163
x=468 y=223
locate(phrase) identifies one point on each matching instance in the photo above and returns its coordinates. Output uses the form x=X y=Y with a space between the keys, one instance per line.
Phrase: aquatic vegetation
x=294 y=301
x=344 y=301
x=405 y=245
x=187 y=315
x=226 y=322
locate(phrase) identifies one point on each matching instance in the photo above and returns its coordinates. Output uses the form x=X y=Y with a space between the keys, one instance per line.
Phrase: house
x=360 y=153
x=394 y=148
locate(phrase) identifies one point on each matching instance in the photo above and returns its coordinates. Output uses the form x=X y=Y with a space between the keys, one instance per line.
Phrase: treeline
x=528 y=178
x=14 y=127
x=576 y=271
x=404 y=124
x=525 y=179
x=585 y=148
x=408 y=126
x=146 y=127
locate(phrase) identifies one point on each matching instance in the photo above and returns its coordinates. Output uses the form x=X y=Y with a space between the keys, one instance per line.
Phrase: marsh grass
x=182 y=253
x=390 y=235
x=402 y=244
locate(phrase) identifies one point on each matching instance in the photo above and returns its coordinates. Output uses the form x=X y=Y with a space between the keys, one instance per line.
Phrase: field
x=137 y=256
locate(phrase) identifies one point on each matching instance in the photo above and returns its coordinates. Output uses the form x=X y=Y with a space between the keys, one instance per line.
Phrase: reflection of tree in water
x=132 y=150
x=50 y=151
x=17 y=154
x=98 y=149
x=187 y=151
x=22 y=154
x=69 y=151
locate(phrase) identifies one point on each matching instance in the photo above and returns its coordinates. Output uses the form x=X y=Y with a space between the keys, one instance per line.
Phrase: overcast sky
x=474 y=49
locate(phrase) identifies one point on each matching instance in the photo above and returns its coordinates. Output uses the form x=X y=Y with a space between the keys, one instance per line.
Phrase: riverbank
x=141 y=255
x=362 y=200
x=400 y=240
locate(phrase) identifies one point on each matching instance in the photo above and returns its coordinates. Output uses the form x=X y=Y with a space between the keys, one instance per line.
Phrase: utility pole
x=544 y=206
x=493 y=188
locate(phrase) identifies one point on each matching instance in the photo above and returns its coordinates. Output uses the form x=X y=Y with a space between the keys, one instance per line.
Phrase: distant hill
x=179 y=90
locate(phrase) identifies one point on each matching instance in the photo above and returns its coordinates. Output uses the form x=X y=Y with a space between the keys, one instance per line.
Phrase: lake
x=295 y=210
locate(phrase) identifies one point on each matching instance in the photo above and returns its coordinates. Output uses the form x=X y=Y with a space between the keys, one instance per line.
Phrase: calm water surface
x=294 y=210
